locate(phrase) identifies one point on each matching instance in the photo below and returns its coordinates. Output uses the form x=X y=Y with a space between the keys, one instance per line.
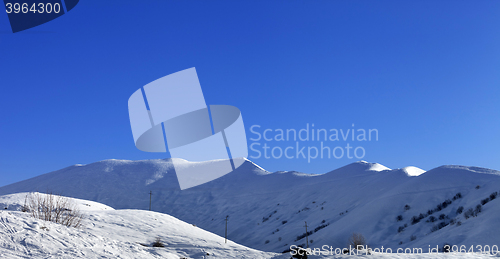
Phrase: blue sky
x=423 y=73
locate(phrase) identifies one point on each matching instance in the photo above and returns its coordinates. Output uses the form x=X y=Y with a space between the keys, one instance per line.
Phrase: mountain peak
x=413 y=171
x=372 y=166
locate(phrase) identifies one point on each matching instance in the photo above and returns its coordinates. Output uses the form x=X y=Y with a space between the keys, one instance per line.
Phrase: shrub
x=439 y=226
x=267 y=242
x=446 y=203
x=477 y=187
x=284 y=222
x=460 y=210
x=401 y=229
x=407 y=207
x=493 y=195
x=478 y=209
x=399 y=218
x=356 y=240
x=432 y=219
x=442 y=216
x=412 y=238
x=484 y=201
x=158 y=243
x=299 y=237
x=24 y=208
x=415 y=220
x=442 y=225
x=55 y=208
x=469 y=213
x=429 y=212
x=321 y=227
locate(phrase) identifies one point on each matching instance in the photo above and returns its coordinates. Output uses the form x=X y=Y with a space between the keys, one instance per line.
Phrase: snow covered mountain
x=267 y=211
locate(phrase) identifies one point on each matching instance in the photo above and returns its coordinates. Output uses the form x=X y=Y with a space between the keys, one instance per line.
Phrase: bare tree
x=357 y=240
x=55 y=208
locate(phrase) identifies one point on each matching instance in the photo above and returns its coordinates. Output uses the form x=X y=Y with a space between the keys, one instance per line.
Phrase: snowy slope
x=108 y=233
x=267 y=210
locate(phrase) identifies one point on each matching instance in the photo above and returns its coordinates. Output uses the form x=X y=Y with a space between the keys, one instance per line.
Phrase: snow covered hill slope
x=108 y=233
x=267 y=211
x=17 y=200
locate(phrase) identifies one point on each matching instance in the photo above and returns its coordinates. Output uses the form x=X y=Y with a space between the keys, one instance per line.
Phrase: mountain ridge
x=352 y=198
